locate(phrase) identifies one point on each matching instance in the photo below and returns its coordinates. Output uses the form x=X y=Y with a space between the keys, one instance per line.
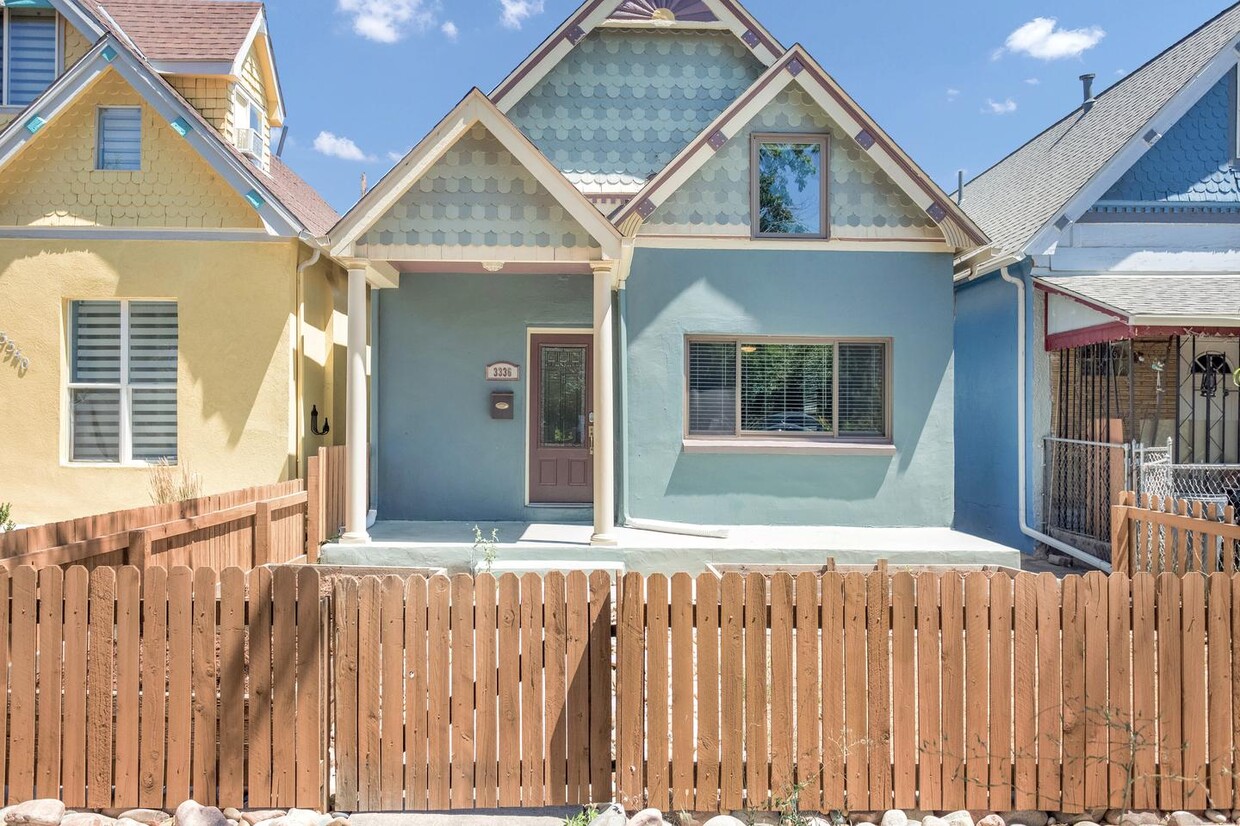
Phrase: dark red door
x=562 y=394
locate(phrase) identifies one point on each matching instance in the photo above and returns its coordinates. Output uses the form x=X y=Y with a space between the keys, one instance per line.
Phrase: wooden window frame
x=742 y=437
x=124 y=385
x=755 y=202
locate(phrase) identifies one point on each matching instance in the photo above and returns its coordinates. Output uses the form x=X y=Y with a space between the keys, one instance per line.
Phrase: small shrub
x=171 y=483
x=583 y=818
x=6 y=521
x=486 y=546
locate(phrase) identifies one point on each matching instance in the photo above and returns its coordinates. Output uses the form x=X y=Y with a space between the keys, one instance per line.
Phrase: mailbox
x=502 y=405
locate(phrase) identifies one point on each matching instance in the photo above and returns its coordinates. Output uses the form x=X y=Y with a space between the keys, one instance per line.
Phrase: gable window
x=812 y=388
x=249 y=118
x=120 y=138
x=30 y=54
x=789 y=186
x=123 y=381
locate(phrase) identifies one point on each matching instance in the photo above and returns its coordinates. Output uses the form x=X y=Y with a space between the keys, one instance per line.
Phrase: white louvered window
x=31 y=54
x=814 y=388
x=120 y=138
x=123 y=381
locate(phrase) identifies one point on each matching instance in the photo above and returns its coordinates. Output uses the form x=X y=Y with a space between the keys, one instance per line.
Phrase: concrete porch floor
x=540 y=547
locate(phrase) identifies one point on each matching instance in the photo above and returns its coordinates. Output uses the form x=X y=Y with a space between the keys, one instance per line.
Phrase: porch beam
x=604 y=405
x=356 y=476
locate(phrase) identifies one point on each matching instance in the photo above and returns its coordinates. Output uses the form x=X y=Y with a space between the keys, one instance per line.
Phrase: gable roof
x=727 y=14
x=797 y=66
x=263 y=192
x=1026 y=193
x=475 y=108
x=185 y=30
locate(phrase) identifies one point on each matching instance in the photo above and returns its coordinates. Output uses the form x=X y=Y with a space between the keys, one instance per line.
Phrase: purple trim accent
x=685 y=11
x=795 y=66
x=574 y=35
x=751 y=39
x=645 y=209
x=717 y=140
x=937 y=212
x=865 y=139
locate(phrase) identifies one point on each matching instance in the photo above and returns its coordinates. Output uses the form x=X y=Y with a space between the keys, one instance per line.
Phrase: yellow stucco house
x=161 y=293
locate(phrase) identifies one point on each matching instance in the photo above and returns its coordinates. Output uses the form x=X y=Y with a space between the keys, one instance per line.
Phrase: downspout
x=299 y=429
x=1024 y=364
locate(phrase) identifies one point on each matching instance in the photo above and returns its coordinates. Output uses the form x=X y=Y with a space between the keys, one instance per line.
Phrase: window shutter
x=863 y=389
x=32 y=56
x=96 y=342
x=712 y=388
x=120 y=138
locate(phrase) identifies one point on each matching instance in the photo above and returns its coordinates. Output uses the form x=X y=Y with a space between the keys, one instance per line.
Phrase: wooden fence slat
x=930 y=732
x=808 y=693
x=417 y=665
x=439 y=693
x=509 y=691
x=392 y=707
x=555 y=735
x=180 y=682
x=854 y=745
x=486 y=669
x=682 y=705
x=204 y=773
x=1075 y=706
x=462 y=670
x=74 y=644
x=707 y=667
x=1001 y=669
x=601 y=676
x=757 y=754
x=878 y=621
x=1235 y=682
x=1222 y=675
x=99 y=676
x=1170 y=691
x=951 y=606
x=311 y=747
x=76 y=633
x=1050 y=728
x=232 y=685
x=128 y=670
x=731 y=691
x=783 y=740
x=1097 y=723
x=284 y=687
x=153 y=722
x=1119 y=678
x=532 y=757
x=657 y=735
x=260 y=707
x=22 y=683
x=977 y=723
x=1194 y=699
x=51 y=606
x=1143 y=781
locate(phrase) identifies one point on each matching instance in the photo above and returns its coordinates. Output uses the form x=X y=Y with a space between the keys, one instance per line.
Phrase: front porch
x=540 y=547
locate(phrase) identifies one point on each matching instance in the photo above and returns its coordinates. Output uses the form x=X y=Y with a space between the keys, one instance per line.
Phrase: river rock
x=724 y=820
x=1140 y=819
x=647 y=817
x=86 y=819
x=613 y=815
x=36 y=813
x=895 y=817
x=259 y=815
x=960 y=818
x=991 y=820
x=1025 y=817
x=1215 y=816
x=193 y=813
x=148 y=817
x=1184 y=819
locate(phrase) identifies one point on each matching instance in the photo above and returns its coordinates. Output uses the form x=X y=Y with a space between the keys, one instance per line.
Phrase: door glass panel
x=564 y=413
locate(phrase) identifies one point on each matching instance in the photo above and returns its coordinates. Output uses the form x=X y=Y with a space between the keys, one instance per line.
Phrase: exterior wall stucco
x=440 y=455
x=54 y=182
x=235 y=380
x=323 y=353
x=905 y=296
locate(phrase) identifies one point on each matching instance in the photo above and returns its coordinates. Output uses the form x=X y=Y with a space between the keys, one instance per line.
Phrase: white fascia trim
x=208 y=68
x=275 y=94
x=126 y=234
x=476 y=108
x=1044 y=241
x=697 y=242
x=82 y=20
x=1195 y=321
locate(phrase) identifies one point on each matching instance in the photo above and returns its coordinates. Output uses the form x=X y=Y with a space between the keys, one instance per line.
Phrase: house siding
x=440 y=456
x=210 y=96
x=904 y=296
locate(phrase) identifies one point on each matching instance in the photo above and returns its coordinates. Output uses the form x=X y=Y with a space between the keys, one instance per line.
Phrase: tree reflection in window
x=790 y=188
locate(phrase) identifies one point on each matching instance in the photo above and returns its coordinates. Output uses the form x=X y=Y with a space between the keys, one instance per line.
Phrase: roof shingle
x=197 y=30
x=1158 y=295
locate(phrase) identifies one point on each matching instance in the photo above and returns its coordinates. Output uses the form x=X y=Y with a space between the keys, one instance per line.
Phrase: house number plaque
x=503 y=371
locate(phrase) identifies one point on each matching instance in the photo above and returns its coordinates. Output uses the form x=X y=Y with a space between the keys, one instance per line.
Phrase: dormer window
x=250 y=119
x=789 y=186
x=31 y=54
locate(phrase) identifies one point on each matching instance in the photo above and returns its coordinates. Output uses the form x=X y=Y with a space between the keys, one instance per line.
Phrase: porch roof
x=1186 y=298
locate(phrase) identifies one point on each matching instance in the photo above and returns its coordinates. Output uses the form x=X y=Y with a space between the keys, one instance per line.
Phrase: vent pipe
x=959 y=186
x=1087 y=84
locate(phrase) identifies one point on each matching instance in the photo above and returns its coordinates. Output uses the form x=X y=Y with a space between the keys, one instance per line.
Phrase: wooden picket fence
x=127 y=690
x=1157 y=535
x=245 y=528
x=325 y=488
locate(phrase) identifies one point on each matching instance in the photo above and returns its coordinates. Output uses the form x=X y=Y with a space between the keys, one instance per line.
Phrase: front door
x=561 y=399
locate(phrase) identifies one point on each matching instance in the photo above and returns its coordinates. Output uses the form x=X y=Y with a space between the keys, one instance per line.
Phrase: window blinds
x=31 y=62
x=120 y=138
x=712 y=388
x=863 y=389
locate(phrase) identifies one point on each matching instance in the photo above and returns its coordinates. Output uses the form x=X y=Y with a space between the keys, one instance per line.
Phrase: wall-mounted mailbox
x=502 y=405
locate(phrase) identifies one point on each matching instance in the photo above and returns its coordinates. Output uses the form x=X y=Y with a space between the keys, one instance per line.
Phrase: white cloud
x=1042 y=38
x=450 y=30
x=396 y=157
x=999 y=107
x=516 y=12
x=335 y=146
x=387 y=21
x=1032 y=81
x=952 y=94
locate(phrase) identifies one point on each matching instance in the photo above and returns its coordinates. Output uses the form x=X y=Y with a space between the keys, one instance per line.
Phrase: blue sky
x=958 y=84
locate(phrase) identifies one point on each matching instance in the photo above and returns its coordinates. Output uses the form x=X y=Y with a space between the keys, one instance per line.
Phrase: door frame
x=530 y=332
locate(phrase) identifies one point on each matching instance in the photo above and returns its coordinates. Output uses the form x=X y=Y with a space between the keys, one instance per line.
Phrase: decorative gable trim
x=155 y=91
x=80 y=18
x=797 y=67
x=595 y=13
x=475 y=109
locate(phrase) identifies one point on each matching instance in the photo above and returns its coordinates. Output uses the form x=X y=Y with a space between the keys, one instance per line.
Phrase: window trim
x=755 y=149
x=5 y=75
x=99 y=110
x=243 y=97
x=750 y=441
x=125 y=386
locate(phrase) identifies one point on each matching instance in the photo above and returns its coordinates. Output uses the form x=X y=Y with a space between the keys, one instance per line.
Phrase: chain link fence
x=1159 y=477
x=1082 y=480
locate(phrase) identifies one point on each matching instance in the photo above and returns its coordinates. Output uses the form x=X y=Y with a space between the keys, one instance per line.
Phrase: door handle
x=591 y=439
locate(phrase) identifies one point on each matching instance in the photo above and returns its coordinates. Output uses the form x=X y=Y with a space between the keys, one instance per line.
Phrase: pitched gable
x=478 y=195
x=1194 y=164
x=620 y=106
x=863 y=201
x=53 y=180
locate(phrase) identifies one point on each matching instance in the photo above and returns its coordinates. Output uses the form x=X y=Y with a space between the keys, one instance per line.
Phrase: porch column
x=604 y=406
x=356 y=474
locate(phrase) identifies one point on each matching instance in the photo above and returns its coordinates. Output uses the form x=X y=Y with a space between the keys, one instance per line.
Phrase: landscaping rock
x=1024 y=817
x=647 y=817
x=193 y=813
x=339 y=821
x=1140 y=819
x=960 y=818
x=122 y=821
x=260 y=815
x=865 y=817
x=613 y=815
x=1184 y=819
x=86 y=819
x=148 y=817
x=931 y=820
x=36 y=813
x=895 y=817
x=232 y=814
x=1073 y=818
x=991 y=820
x=1215 y=816
x=724 y=820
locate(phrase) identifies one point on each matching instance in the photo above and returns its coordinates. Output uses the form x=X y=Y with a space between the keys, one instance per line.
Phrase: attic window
x=120 y=139
x=789 y=186
x=249 y=119
x=31 y=54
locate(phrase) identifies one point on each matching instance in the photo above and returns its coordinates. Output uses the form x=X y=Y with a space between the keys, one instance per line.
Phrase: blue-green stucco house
x=667 y=270
x=1098 y=340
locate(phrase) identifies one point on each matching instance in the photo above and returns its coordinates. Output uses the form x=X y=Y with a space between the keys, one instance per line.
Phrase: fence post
x=314 y=507
x=262 y=534
x=139 y=553
x=1121 y=537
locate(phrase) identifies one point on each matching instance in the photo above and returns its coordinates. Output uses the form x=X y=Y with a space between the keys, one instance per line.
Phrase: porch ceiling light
x=492 y=266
